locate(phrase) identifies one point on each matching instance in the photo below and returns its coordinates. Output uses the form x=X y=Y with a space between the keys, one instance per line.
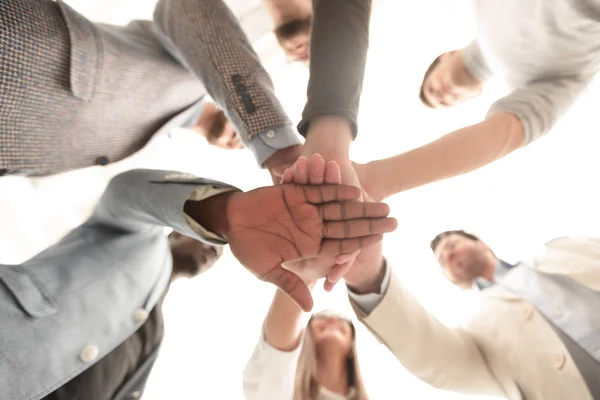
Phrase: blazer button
x=250 y=108
x=270 y=134
x=89 y=353
x=240 y=88
x=135 y=395
x=102 y=160
x=140 y=315
x=559 y=360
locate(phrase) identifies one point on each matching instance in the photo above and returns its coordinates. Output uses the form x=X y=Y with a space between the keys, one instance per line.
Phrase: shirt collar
x=502 y=268
x=192 y=120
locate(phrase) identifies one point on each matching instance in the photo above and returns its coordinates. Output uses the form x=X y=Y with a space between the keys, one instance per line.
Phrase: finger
x=291 y=285
x=344 y=258
x=301 y=171
x=356 y=228
x=336 y=247
x=338 y=211
x=328 y=286
x=288 y=176
x=337 y=272
x=333 y=174
x=316 y=170
x=326 y=193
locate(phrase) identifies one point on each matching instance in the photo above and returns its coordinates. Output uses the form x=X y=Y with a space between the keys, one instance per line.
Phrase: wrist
x=377 y=187
x=211 y=213
x=283 y=158
x=330 y=133
x=371 y=284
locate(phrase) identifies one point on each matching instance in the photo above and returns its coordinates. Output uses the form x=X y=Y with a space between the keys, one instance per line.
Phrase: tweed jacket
x=75 y=94
x=72 y=304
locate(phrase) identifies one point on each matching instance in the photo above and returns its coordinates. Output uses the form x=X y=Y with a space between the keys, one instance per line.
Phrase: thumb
x=288 y=176
x=336 y=273
x=294 y=287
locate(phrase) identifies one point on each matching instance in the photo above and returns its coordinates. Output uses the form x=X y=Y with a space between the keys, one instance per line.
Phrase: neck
x=488 y=272
x=332 y=373
x=207 y=113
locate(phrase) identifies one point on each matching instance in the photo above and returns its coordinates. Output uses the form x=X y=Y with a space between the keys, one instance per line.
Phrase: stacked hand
x=360 y=271
x=285 y=223
x=331 y=137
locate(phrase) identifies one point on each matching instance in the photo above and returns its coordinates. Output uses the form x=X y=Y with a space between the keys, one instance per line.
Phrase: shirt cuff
x=475 y=62
x=264 y=144
x=368 y=302
x=203 y=193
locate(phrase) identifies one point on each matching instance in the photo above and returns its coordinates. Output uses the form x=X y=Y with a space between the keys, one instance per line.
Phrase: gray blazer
x=75 y=94
x=73 y=303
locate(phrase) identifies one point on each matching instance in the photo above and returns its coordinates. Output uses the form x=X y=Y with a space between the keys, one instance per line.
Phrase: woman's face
x=332 y=331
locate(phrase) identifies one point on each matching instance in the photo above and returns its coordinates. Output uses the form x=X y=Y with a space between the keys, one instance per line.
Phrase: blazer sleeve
x=338 y=56
x=206 y=38
x=144 y=200
x=444 y=357
x=270 y=373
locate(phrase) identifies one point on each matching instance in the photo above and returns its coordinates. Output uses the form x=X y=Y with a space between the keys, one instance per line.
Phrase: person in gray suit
x=74 y=93
x=64 y=311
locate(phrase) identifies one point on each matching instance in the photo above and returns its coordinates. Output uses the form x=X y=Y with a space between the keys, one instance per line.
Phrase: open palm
x=285 y=223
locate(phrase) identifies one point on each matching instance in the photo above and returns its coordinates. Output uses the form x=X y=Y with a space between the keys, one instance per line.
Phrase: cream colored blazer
x=508 y=349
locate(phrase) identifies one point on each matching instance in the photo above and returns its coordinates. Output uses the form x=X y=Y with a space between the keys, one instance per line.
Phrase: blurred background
x=547 y=190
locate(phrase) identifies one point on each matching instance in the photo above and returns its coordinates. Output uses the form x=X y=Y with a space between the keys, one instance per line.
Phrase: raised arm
x=205 y=37
x=512 y=122
x=456 y=153
x=444 y=357
x=270 y=371
x=143 y=199
x=338 y=55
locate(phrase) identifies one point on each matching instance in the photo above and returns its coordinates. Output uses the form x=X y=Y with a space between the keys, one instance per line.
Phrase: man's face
x=192 y=257
x=217 y=129
x=449 y=83
x=297 y=47
x=462 y=259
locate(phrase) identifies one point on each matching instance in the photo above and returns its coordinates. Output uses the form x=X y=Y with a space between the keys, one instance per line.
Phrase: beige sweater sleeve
x=539 y=105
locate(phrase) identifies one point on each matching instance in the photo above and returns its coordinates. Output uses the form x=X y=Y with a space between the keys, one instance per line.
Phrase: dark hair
x=216 y=128
x=292 y=28
x=436 y=240
x=427 y=73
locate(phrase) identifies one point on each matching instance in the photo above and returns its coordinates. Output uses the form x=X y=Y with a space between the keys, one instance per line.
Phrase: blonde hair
x=306 y=386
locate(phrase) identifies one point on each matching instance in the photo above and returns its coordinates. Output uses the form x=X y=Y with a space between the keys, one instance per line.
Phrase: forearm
x=338 y=54
x=206 y=37
x=454 y=154
x=444 y=357
x=143 y=199
x=369 y=279
x=283 y=324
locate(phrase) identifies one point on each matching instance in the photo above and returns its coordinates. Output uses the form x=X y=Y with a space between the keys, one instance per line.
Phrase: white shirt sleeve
x=368 y=302
x=270 y=373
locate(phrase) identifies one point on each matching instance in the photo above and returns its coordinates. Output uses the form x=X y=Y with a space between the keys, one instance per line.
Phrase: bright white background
x=546 y=190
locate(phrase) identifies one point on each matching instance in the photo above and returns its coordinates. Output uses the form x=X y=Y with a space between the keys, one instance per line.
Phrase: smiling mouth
x=332 y=326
